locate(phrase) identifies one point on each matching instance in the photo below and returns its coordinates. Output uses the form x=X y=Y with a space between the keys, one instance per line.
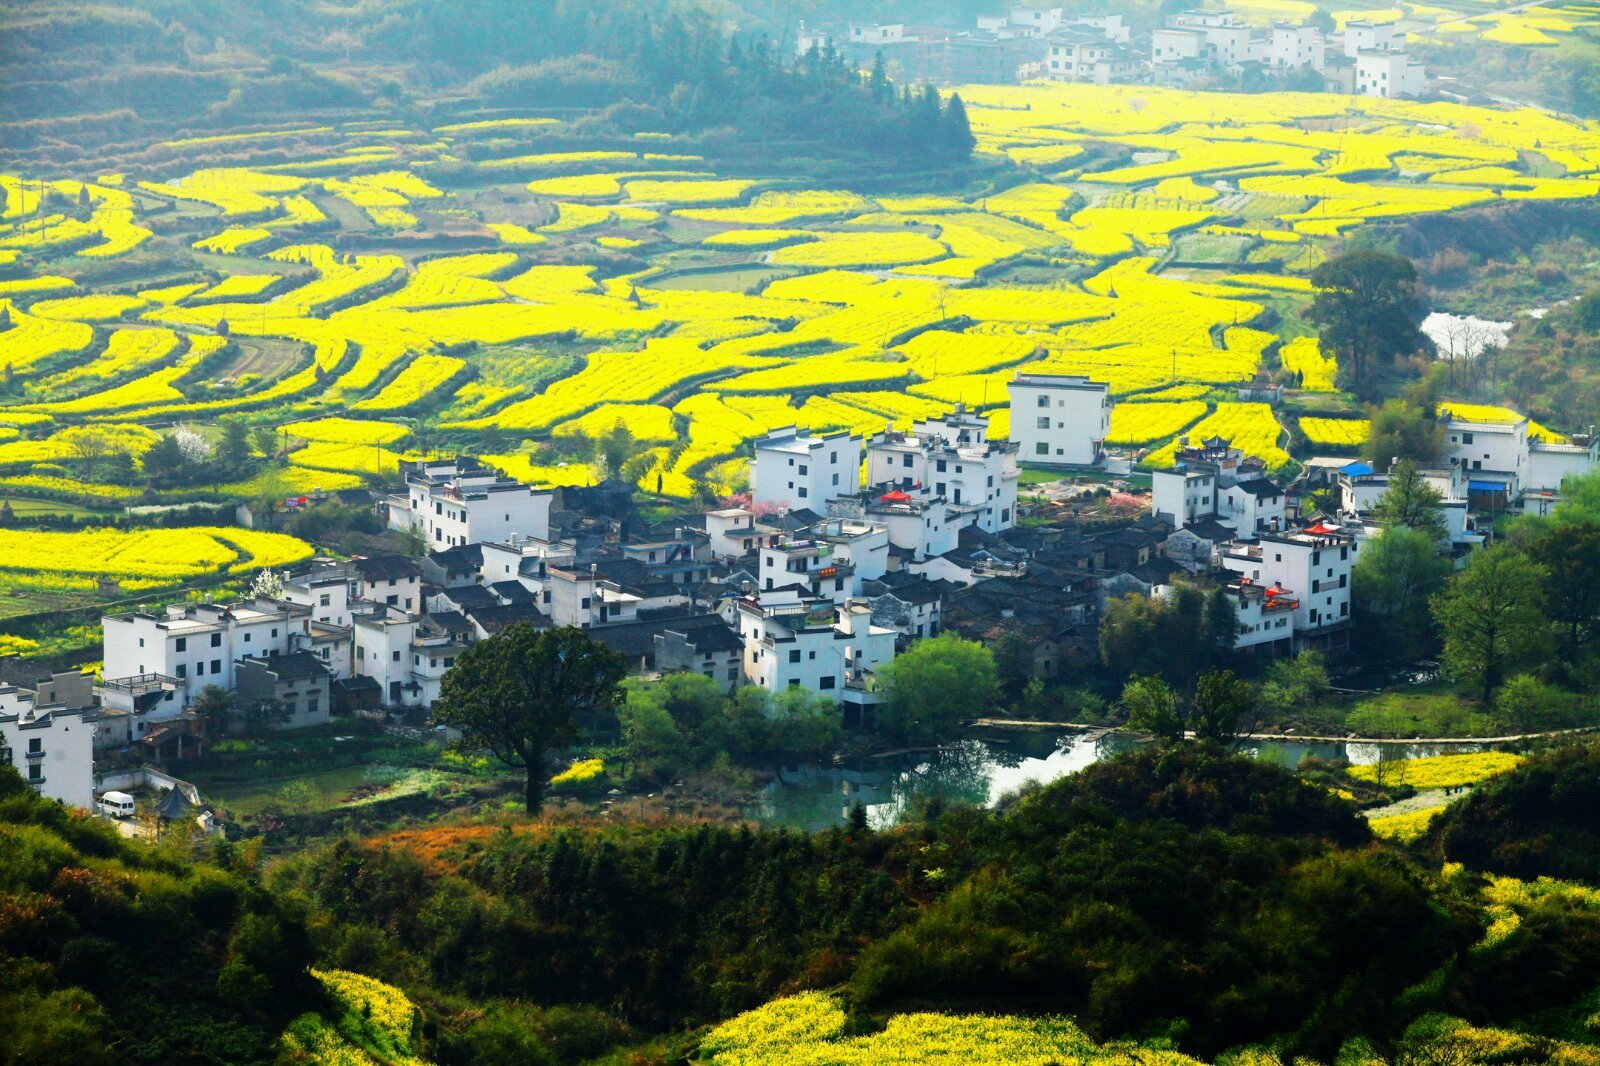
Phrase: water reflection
x=981 y=770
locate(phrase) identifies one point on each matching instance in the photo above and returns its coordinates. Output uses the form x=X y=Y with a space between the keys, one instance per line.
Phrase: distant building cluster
x=1366 y=58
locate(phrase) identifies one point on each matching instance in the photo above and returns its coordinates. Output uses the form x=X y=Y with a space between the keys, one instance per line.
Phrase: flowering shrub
x=579 y=773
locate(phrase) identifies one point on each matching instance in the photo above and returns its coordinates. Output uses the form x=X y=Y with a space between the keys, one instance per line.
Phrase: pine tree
x=958 y=139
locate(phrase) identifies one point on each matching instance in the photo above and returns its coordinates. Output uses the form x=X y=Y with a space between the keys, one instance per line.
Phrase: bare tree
x=88 y=444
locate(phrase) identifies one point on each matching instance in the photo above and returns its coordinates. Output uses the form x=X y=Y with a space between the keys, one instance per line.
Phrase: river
x=983 y=768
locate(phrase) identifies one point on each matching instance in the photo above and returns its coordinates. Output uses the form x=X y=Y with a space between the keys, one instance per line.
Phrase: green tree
x=266 y=440
x=1294 y=685
x=1402 y=429
x=935 y=684
x=1524 y=704
x=1013 y=662
x=1490 y=616
x=1411 y=502
x=656 y=748
x=1364 y=305
x=617 y=446
x=1569 y=550
x=958 y=140
x=164 y=458
x=806 y=724
x=1152 y=706
x=217 y=705
x=1396 y=574
x=234 y=449
x=1221 y=704
x=524 y=691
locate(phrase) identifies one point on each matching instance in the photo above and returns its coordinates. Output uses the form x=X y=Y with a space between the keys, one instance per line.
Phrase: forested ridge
x=1185 y=896
x=100 y=75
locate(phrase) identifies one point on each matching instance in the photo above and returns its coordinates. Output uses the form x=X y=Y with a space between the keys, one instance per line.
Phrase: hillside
x=1186 y=896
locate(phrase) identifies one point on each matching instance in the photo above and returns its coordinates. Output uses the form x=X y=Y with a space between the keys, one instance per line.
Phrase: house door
x=394 y=692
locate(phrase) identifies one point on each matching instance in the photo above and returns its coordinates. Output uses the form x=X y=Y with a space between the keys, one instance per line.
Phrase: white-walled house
x=51 y=747
x=1312 y=565
x=1293 y=46
x=733 y=532
x=1505 y=462
x=797 y=470
x=383 y=652
x=1215 y=481
x=950 y=457
x=460 y=501
x=1264 y=613
x=1061 y=419
x=1393 y=75
x=814 y=645
x=918 y=526
x=155 y=664
x=1362 y=36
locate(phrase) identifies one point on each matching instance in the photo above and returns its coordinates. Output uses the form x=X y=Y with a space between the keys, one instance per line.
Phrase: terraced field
x=454 y=288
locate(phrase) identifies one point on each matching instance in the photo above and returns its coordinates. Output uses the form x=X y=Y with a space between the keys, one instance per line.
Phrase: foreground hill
x=1196 y=899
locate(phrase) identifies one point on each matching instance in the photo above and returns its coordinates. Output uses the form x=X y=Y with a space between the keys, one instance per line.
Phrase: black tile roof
x=294 y=666
x=493 y=618
x=383 y=567
x=513 y=592
x=1260 y=487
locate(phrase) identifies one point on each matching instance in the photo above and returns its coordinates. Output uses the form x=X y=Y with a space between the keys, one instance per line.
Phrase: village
x=1191 y=49
x=845 y=552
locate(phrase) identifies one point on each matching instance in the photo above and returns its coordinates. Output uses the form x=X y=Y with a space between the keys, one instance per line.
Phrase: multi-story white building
x=383 y=642
x=335 y=591
x=796 y=470
x=1311 y=566
x=814 y=645
x=733 y=532
x=1087 y=58
x=460 y=501
x=1389 y=74
x=1507 y=464
x=586 y=598
x=50 y=746
x=1059 y=419
x=1034 y=21
x=155 y=664
x=1265 y=614
x=1293 y=47
x=953 y=458
x=1361 y=36
x=1216 y=481
x=1170 y=46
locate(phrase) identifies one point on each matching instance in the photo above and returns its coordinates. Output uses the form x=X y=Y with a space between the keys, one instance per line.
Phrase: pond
x=983 y=768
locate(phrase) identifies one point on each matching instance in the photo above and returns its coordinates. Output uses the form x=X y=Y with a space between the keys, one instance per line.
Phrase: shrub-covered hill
x=1184 y=891
x=1185 y=896
x=115 y=952
x=1540 y=820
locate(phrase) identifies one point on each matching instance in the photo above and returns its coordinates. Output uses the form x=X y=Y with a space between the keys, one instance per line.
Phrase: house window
x=794 y=656
x=183 y=670
x=794 y=682
x=35 y=746
x=733 y=673
x=325 y=600
x=181 y=645
x=312 y=704
x=802 y=470
x=905 y=460
x=1044 y=401
x=396 y=656
x=1041 y=448
x=826 y=682
x=274 y=631
x=216 y=666
x=247 y=638
x=941 y=466
x=361 y=653
x=1466 y=438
